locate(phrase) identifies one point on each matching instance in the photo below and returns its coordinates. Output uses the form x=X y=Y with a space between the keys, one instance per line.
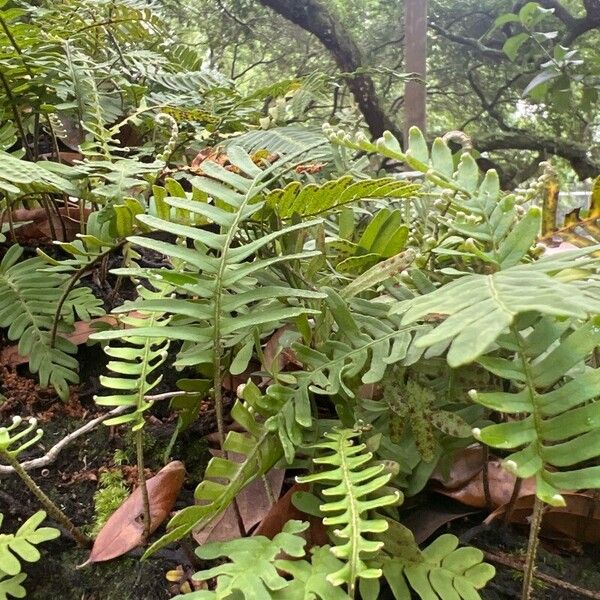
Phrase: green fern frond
x=557 y=396
x=28 y=302
x=132 y=364
x=22 y=544
x=305 y=143
x=252 y=572
x=19 y=177
x=354 y=485
x=312 y=199
x=479 y=308
x=367 y=342
x=442 y=570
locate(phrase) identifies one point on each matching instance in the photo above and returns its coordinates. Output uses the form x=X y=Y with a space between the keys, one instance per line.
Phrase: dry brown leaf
x=501 y=485
x=253 y=503
x=39 y=228
x=10 y=356
x=425 y=521
x=124 y=530
x=466 y=464
x=284 y=510
x=578 y=520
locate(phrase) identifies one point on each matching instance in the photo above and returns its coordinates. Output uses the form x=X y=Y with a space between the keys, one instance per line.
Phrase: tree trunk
x=415 y=62
x=318 y=19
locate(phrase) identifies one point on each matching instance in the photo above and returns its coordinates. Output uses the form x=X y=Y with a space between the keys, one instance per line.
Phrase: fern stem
x=49 y=506
x=538 y=506
x=532 y=547
x=139 y=450
x=16 y=115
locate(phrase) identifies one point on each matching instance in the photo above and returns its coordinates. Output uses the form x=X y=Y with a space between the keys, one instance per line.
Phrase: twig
x=52 y=454
x=517 y=565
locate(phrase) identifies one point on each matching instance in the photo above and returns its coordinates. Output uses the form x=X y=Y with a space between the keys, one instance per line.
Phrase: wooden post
x=415 y=59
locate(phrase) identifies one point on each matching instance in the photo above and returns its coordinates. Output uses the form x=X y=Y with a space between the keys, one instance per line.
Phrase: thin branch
x=52 y=454
x=493 y=53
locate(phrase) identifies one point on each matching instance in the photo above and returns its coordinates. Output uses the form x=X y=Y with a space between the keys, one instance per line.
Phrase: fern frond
x=302 y=142
x=22 y=544
x=367 y=343
x=252 y=572
x=28 y=301
x=259 y=449
x=133 y=364
x=19 y=177
x=557 y=396
x=312 y=199
x=481 y=307
x=354 y=483
x=442 y=570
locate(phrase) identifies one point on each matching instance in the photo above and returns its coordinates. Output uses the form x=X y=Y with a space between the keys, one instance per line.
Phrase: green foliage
x=481 y=307
x=557 y=398
x=258 y=448
x=415 y=405
x=254 y=568
x=227 y=303
x=133 y=363
x=29 y=316
x=21 y=546
x=355 y=487
x=10 y=435
x=312 y=199
x=442 y=570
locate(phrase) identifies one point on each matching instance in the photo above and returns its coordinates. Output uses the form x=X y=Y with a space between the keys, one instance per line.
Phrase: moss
x=111 y=493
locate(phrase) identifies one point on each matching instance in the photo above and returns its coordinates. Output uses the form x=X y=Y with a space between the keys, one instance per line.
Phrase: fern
x=254 y=570
x=133 y=364
x=481 y=307
x=21 y=546
x=368 y=342
x=17 y=177
x=353 y=483
x=557 y=398
x=226 y=303
x=442 y=570
x=302 y=142
x=28 y=302
x=313 y=199
x=384 y=237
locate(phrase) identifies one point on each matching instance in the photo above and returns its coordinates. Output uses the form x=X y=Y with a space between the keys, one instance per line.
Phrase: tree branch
x=575 y=152
x=318 y=19
x=481 y=48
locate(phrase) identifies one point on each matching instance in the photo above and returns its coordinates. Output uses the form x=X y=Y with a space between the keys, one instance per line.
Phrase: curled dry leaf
x=579 y=520
x=124 y=530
